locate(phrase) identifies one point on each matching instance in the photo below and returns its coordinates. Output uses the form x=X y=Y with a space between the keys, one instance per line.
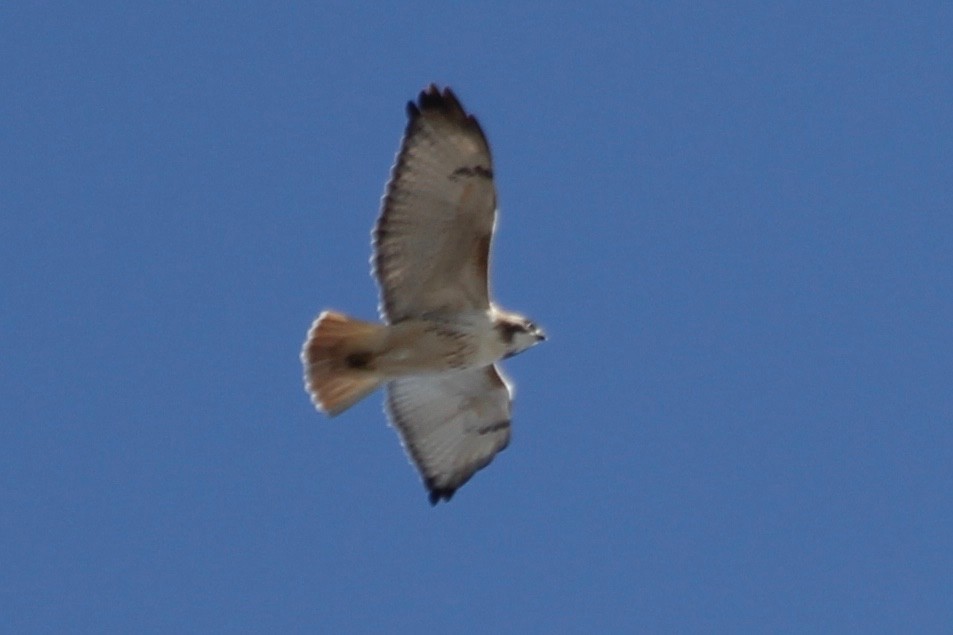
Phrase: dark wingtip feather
x=438 y=493
x=435 y=100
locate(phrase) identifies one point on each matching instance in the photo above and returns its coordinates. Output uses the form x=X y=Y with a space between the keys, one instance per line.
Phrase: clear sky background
x=735 y=223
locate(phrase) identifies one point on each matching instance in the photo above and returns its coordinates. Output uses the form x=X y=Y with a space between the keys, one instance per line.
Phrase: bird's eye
x=530 y=326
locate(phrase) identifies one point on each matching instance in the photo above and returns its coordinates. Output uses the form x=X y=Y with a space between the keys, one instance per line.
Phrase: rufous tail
x=338 y=359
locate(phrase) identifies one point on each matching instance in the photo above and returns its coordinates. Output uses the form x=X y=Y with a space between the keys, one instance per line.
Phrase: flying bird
x=437 y=351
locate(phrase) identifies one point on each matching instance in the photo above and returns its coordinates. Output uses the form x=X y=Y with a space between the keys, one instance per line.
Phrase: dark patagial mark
x=476 y=170
x=482 y=255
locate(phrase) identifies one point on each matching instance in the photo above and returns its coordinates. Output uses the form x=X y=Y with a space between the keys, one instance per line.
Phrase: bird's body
x=442 y=337
x=421 y=346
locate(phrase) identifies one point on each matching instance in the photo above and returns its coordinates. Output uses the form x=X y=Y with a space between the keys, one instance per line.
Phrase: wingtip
x=442 y=102
x=434 y=98
x=428 y=99
x=437 y=494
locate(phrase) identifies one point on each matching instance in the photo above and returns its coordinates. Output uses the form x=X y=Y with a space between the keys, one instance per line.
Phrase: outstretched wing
x=432 y=240
x=451 y=425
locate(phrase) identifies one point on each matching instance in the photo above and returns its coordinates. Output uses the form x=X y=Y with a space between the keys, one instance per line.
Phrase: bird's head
x=517 y=332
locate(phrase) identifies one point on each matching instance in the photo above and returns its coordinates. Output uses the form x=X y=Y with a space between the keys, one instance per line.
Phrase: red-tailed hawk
x=442 y=337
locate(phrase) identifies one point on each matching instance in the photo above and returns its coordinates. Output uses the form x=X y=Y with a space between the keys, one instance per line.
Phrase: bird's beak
x=540 y=335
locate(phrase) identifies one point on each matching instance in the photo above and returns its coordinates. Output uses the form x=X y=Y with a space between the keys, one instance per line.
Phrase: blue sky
x=735 y=223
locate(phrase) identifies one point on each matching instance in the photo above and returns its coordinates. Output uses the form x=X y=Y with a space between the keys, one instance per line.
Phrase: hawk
x=442 y=337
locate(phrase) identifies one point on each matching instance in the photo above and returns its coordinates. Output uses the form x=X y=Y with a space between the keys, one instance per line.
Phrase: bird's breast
x=432 y=346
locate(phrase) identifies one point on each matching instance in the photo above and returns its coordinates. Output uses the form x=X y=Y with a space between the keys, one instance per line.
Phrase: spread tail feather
x=338 y=359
